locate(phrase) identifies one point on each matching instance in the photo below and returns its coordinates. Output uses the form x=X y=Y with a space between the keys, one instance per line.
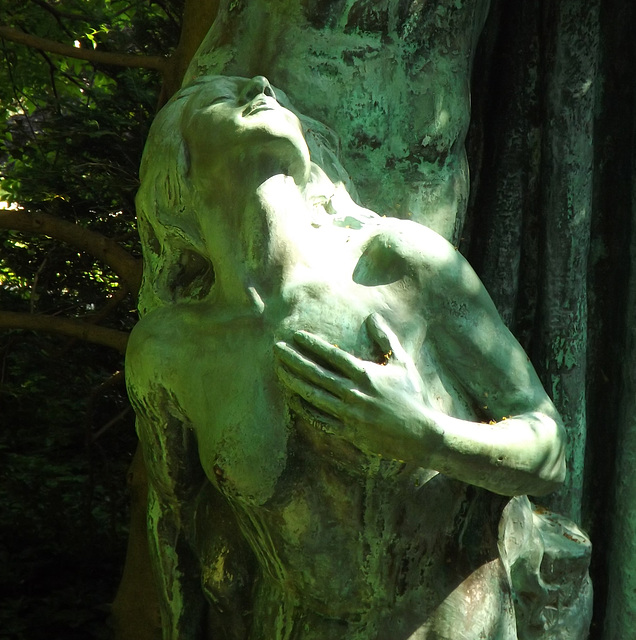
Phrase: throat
x=278 y=238
x=274 y=237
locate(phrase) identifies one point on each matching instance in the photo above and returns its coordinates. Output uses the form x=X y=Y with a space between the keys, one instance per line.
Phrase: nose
x=256 y=86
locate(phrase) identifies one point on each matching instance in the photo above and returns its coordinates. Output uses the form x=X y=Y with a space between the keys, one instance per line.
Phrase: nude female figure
x=331 y=410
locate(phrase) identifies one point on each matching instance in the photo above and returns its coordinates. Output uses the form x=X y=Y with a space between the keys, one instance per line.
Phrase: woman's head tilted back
x=200 y=146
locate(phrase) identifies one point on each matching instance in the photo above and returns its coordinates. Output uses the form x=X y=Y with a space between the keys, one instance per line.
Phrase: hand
x=378 y=407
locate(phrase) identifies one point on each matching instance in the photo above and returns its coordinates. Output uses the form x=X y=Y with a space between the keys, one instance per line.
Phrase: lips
x=260 y=103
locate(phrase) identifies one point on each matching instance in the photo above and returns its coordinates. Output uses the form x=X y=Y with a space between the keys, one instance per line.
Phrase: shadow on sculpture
x=332 y=413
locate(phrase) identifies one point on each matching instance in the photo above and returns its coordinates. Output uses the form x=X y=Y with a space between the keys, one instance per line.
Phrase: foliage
x=71 y=136
x=61 y=487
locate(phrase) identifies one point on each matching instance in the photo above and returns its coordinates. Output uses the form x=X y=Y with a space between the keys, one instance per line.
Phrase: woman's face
x=229 y=120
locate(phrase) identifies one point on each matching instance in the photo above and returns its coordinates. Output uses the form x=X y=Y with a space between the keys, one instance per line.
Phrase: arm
x=381 y=410
x=203 y=568
x=522 y=449
x=170 y=503
x=174 y=478
x=194 y=541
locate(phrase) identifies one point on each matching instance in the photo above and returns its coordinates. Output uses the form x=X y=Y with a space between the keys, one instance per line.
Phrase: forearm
x=519 y=455
x=176 y=573
x=380 y=409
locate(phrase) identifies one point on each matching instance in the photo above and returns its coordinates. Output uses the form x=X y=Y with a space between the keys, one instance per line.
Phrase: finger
x=385 y=337
x=310 y=371
x=315 y=396
x=341 y=361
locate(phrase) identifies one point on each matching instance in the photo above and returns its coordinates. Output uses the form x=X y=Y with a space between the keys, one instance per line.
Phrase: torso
x=364 y=548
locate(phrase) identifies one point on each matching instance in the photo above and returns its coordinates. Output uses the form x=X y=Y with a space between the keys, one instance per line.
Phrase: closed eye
x=221 y=99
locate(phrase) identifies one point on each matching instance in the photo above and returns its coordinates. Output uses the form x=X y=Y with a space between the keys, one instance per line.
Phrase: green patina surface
x=391 y=78
x=309 y=379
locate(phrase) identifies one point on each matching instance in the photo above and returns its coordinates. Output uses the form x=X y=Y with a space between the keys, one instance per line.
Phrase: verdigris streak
x=333 y=415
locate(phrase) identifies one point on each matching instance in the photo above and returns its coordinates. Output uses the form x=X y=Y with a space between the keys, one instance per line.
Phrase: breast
x=384 y=281
x=235 y=404
x=231 y=393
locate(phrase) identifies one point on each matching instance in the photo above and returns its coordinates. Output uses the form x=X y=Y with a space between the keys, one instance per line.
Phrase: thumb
x=384 y=336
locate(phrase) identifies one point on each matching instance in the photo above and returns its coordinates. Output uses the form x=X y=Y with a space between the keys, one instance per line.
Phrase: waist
x=345 y=545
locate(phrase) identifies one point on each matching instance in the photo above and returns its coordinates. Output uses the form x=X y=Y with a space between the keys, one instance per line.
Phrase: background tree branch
x=66 y=327
x=196 y=21
x=157 y=63
x=72 y=130
x=127 y=267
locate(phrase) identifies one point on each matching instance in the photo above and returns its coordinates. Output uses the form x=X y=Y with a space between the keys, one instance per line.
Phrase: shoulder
x=160 y=343
x=146 y=355
x=152 y=337
x=438 y=266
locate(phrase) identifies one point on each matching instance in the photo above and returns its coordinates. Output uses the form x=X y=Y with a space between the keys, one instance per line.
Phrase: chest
x=229 y=388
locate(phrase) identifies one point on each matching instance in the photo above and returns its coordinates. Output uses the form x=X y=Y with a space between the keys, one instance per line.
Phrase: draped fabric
x=549 y=229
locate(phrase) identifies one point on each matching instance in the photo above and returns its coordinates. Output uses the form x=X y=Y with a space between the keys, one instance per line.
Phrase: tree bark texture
x=391 y=78
x=549 y=229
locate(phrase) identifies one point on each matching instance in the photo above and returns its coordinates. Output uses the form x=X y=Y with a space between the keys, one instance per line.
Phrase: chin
x=278 y=123
x=284 y=144
x=286 y=156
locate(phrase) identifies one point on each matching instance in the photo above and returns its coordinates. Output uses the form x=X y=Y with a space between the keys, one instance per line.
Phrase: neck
x=260 y=237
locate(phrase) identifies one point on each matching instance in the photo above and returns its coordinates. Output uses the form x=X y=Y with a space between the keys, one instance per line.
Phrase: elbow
x=552 y=470
x=558 y=474
x=549 y=482
x=541 y=457
x=553 y=476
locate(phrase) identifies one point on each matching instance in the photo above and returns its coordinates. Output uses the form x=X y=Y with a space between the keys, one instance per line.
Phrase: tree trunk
x=552 y=153
x=135 y=609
